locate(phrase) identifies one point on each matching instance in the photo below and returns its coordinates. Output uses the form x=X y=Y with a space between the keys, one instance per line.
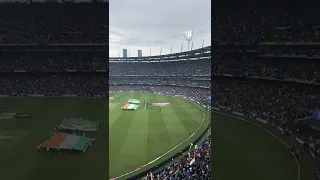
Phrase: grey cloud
x=173 y=36
x=131 y=41
x=150 y=24
x=116 y=33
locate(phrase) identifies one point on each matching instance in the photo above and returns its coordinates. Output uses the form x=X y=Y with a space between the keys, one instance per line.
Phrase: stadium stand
x=54 y=84
x=268 y=100
x=90 y=84
x=295 y=66
x=276 y=21
x=188 y=68
x=37 y=25
x=53 y=61
x=45 y=54
x=266 y=65
x=200 y=168
x=54 y=56
x=170 y=75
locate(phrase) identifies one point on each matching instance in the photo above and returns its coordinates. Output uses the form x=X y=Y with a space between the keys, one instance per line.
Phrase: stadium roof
x=202 y=53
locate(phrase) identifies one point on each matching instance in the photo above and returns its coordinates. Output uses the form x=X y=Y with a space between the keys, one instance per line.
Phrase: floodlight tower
x=188 y=37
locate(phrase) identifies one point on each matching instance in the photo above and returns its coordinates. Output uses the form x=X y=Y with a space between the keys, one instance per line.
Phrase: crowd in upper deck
x=257 y=21
x=39 y=23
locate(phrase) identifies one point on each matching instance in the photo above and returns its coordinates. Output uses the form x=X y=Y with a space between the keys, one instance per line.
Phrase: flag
x=130 y=107
x=192 y=161
x=293 y=136
x=190 y=146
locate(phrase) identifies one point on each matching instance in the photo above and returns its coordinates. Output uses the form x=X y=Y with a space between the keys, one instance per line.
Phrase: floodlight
x=188 y=36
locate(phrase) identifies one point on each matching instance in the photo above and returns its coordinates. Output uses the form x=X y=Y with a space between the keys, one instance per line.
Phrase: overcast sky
x=156 y=24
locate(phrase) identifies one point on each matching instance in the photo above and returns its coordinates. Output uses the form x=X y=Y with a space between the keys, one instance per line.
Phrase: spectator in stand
x=271 y=100
x=260 y=22
x=178 y=68
x=193 y=165
x=269 y=66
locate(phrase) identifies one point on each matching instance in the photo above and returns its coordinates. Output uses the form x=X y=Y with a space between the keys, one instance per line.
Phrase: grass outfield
x=241 y=150
x=244 y=151
x=19 y=158
x=138 y=137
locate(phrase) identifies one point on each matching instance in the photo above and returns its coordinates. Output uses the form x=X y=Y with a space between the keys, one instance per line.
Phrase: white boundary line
x=151 y=162
x=242 y=119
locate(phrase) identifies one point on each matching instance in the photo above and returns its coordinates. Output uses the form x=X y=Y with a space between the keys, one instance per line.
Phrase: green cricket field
x=19 y=157
x=136 y=139
x=140 y=138
x=249 y=151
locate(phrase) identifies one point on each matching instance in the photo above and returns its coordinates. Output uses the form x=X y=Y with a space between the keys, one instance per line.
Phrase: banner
x=161 y=104
x=215 y=108
x=69 y=95
x=237 y=113
x=261 y=120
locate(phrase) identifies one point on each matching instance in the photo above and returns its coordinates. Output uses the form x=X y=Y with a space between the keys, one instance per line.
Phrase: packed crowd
x=193 y=165
x=97 y=85
x=293 y=51
x=40 y=23
x=250 y=66
x=260 y=21
x=198 y=94
x=54 y=84
x=269 y=100
x=264 y=67
x=48 y=61
x=163 y=81
x=176 y=68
